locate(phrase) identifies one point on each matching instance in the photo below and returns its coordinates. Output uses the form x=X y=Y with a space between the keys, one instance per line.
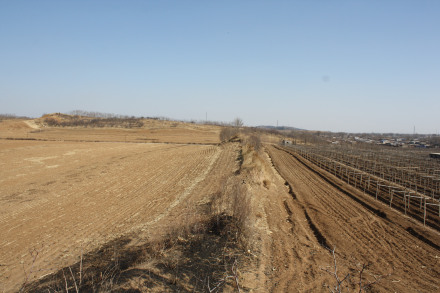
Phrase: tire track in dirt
x=323 y=194
x=359 y=235
x=296 y=246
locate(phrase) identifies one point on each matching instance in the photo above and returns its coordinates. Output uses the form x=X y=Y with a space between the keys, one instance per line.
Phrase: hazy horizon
x=342 y=66
x=202 y=121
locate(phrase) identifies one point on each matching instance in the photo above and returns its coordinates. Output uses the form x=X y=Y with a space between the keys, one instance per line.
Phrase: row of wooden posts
x=421 y=175
x=412 y=202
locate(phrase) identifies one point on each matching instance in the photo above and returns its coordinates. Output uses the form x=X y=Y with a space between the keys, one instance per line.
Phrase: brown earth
x=320 y=216
x=153 y=131
x=66 y=192
x=64 y=198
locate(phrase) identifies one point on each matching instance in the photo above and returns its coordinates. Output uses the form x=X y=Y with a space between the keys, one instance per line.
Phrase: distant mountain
x=279 y=127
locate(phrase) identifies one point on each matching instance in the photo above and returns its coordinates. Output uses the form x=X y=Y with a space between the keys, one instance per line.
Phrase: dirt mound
x=14 y=125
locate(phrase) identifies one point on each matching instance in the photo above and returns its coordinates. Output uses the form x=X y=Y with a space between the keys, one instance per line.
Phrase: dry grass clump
x=254 y=141
x=234 y=202
x=204 y=258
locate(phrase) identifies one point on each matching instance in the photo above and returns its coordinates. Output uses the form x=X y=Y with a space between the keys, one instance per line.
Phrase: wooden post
x=424 y=215
x=363 y=183
x=404 y=200
x=377 y=189
x=391 y=196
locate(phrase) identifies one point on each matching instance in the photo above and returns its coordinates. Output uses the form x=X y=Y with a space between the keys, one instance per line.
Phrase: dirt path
x=321 y=215
x=32 y=124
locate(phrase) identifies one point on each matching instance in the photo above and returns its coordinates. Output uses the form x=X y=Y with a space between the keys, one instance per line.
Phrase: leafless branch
x=65 y=282
x=74 y=281
x=339 y=282
x=363 y=282
x=34 y=254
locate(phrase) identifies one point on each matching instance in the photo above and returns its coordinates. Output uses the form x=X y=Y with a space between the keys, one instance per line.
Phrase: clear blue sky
x=355 y=66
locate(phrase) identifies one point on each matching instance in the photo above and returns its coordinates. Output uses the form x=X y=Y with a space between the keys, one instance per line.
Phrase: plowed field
x=65 y=192
x=328 y=213
x=61 y=199
x=153 y=131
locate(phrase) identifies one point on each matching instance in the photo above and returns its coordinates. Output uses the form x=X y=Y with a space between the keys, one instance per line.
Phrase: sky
x=351 y=66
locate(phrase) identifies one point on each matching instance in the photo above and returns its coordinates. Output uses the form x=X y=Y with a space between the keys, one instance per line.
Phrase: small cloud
x=326 y=78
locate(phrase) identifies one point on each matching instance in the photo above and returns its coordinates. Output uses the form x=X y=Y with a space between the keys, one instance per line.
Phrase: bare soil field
x=152 y=131
x=167 y=217
x=64 y=198
x=321 y=215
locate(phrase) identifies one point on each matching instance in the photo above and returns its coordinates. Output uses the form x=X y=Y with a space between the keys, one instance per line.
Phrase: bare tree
x=238 y=122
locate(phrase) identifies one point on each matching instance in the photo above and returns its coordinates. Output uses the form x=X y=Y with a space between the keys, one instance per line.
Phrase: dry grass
x=203 y=255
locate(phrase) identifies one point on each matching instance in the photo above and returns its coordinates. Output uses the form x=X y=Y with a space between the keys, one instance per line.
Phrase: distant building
x=287 y=142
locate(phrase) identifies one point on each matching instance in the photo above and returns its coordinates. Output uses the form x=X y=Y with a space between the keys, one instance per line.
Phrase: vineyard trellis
x=408 y=181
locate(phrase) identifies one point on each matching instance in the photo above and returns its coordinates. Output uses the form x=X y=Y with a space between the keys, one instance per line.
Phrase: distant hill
x=278 y=127
x=63 y=120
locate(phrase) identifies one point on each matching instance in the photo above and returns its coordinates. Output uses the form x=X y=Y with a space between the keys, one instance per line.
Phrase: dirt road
x=322 y=213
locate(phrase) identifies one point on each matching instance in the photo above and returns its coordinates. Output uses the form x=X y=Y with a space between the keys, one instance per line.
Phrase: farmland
x=326 y=212
x=61 y=197
x=154 y=131
x=71 y=194
x=395 y=177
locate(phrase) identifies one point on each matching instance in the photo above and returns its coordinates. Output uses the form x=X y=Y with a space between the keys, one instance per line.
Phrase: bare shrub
x=228 y=133
x=254 y=141
x=363 y=284
x=80 y=121
x=51 y=121
x=11 y=116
